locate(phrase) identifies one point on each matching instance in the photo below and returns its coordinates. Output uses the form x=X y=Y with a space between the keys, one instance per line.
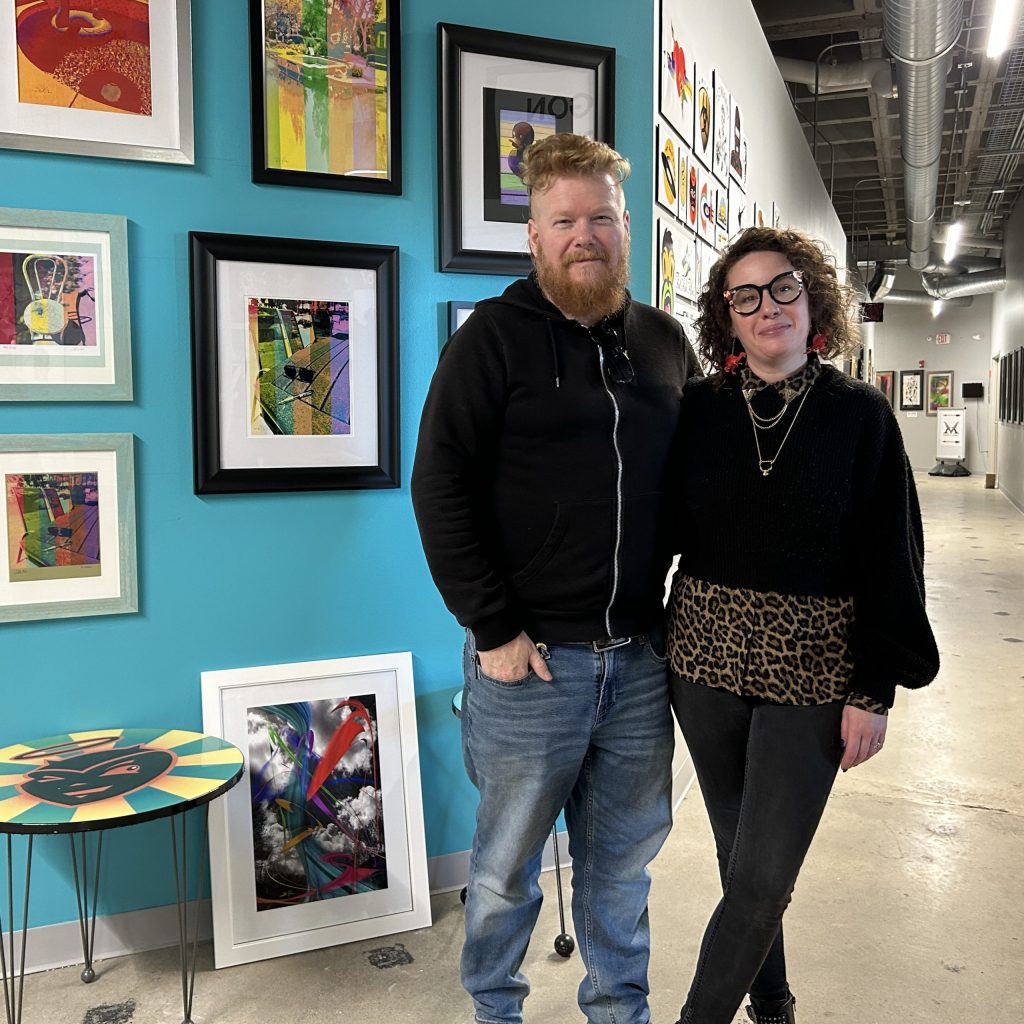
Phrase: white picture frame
x=387 y=874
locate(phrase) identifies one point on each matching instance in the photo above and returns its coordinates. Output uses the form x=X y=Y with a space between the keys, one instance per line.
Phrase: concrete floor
x=909 y=908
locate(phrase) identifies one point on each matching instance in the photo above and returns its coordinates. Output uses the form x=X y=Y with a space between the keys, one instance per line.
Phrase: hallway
x=909 y=908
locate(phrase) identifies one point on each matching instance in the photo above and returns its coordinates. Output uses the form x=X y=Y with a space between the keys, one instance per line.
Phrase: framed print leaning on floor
x=500 y=93
x=67 y=523
x=323 y=841
x=107 y=79
x=294 y=364
x=65 y=331
x=326 y=94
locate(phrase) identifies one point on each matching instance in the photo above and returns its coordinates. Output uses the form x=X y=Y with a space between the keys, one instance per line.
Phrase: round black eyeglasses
x=785 y=288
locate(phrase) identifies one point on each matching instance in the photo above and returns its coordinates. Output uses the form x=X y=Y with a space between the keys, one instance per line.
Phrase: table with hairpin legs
x=82 y=784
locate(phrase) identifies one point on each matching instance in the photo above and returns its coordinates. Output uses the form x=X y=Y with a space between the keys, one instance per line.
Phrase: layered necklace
x=790 y=391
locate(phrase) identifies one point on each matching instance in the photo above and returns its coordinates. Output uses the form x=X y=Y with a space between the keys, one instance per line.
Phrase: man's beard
x=592 y=299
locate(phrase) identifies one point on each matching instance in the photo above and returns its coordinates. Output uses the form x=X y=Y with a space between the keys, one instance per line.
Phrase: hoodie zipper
x=618 y=487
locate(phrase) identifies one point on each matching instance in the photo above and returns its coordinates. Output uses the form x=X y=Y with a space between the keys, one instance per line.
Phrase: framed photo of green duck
x=294 y=364
x=326 y=94
x=911 y=390
x=109 y=79
x=499 y=94
x=65 y=329
x=67 y=522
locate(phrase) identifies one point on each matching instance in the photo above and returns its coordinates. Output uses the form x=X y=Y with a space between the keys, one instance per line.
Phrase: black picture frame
x=208 y=254
x=907 y=404
x=454 y=42
x=1004 y=380
x=335 y=72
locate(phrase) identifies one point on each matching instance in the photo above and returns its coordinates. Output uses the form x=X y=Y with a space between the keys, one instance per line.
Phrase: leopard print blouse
x=790 y=649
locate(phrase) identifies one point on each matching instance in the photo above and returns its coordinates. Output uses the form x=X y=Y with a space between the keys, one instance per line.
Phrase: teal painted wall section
x=231 y=581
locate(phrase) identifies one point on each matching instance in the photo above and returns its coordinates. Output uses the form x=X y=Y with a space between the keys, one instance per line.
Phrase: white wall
x=907 y=337
x=1008 y=334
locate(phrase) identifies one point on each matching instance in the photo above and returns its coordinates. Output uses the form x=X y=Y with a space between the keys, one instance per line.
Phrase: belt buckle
x=600 y=646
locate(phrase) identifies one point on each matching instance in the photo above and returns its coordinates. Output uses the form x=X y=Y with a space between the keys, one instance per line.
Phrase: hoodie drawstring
x=554 y=353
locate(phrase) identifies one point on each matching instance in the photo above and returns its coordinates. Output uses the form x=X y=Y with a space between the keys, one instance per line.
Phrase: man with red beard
x=538 y=485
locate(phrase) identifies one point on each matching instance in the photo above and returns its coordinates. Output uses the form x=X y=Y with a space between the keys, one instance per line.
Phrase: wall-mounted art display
x=736 y=140
x=323 y=842
x=1017 y=385
x=706 y=204
x=939 y=386
x=704 y=117
x=326 y=95
x=67 y=526
x=675 y=69
x=686 y=270
x=722 y=129
x=458 y=314
x=294 y=364
x=110 y=79
x=776 y=215
x=1003 y=381
x=689 y=201
x=65 y=329
x=911 y=390
x=885 y=381
x=762 y=215
x=739 y=210
x=669 y=159
x=665 y=270
x=500 y=93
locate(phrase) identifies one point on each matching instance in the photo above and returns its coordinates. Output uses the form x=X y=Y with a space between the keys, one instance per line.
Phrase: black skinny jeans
x=765 y=772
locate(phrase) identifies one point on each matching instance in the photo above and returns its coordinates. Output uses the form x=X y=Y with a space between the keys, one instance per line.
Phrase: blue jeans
x=597 y=741
x=765 y=773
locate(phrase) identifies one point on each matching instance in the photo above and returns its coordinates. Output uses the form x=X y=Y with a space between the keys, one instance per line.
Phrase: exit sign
x=941 y=339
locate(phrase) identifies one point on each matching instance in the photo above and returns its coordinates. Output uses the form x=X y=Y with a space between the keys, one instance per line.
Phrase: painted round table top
x=105 y=778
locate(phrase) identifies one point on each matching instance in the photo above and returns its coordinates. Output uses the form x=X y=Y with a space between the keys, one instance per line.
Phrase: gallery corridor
x=909 y=908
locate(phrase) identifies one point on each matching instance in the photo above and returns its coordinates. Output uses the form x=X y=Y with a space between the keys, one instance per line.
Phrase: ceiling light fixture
x=936 y=308
x=953 y=233
x=1004 y=27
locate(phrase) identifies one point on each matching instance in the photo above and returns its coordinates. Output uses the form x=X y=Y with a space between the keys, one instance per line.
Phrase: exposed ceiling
x=858 y=149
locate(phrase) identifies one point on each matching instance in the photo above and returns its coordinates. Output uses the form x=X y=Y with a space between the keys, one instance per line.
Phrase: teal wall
x=350 y=575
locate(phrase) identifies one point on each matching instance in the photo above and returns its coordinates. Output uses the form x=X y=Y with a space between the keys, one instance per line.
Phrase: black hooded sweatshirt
x=539 y=469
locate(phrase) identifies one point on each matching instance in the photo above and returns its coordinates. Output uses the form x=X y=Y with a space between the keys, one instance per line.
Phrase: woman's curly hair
x=829 y=301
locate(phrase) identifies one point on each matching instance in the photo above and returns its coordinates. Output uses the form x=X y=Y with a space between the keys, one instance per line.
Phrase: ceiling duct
x=965 y=285
x=903 y=297
x=920 y=35
x=856 y=76
x=882 y=280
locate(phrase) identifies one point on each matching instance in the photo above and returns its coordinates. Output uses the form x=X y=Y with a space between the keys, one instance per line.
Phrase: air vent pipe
x=947 y=288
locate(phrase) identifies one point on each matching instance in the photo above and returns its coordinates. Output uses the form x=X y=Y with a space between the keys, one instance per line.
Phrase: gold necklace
x=767 y=465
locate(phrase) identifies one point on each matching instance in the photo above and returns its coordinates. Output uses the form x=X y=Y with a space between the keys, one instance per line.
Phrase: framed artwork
x=675 y=70
x=761 y=216
x=326 y=94
x=68 y=526
x=939 y=385
x=736 y=140
x=706 y=203
x=1017 y=376
x=776 y=215
x=739 y=215
x=665 y=269
x=884 y=381
x=1011 y=387
x=458 y=314
x=703 y=117
x=689 y=201
x=294 y=364
x=721 y=208
x=669 y=159
x=723 y=130
x=322 y=842
x=65 y=329
x=110 y=80
x=1003 y=379
x=500 y=93
x=686 y=270
x=911 y=390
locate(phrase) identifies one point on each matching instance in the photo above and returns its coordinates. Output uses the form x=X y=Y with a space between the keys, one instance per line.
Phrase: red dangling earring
x=818 y=342
x=733 y=362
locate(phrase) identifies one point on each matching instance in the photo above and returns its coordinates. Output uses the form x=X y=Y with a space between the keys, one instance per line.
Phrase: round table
x=88 y=782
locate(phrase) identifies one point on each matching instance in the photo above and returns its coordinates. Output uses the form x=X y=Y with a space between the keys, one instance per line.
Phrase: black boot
x=783 y=1013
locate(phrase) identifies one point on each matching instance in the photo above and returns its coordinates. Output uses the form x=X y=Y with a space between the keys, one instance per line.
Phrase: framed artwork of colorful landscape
x=65 y=331
x=294 y=364
x=106 y=79
x=67 y=524
x=326 y=94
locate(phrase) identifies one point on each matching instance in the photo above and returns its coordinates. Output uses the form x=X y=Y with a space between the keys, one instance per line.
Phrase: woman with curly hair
x=798 y=605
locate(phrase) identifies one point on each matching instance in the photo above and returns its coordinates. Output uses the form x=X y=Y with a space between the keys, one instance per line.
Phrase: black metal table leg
x=86 y=921
x=14 y=985
x=179 y=853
